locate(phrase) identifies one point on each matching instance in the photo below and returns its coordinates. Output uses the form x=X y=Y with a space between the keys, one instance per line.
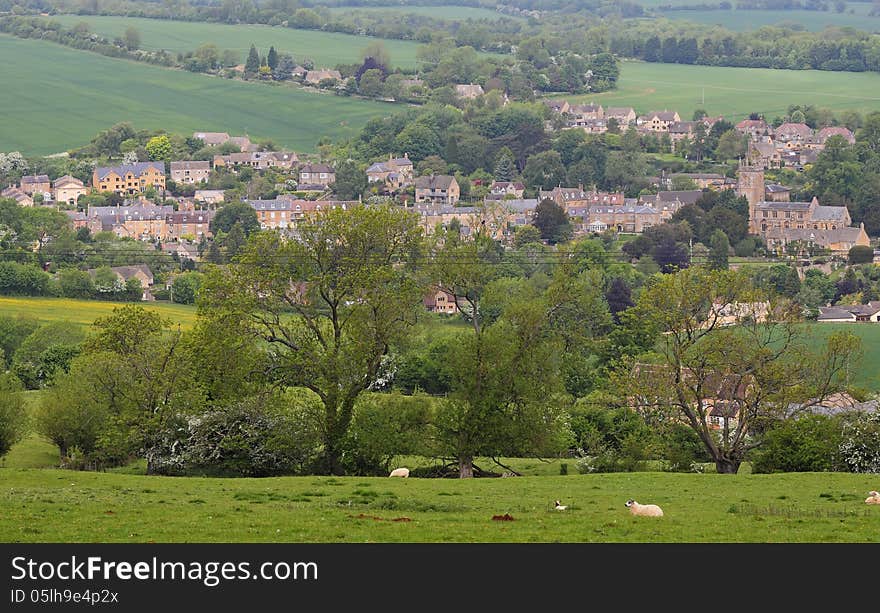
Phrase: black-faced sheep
x=644 y=510
x=559 y=506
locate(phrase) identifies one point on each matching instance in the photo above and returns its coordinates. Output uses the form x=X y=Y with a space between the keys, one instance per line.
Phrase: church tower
x=750 y=183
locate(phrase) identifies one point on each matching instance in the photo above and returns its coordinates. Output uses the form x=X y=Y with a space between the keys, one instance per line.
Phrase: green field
x=40 y=505
x=736 y=92
x=449 y=13
x=324 y=48
x=85 y=312
x=748 y=20
x=63 y=97
x=868 y=375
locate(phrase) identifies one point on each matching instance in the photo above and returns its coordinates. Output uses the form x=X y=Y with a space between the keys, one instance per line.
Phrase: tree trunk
x=727 y=466
x=466 y=467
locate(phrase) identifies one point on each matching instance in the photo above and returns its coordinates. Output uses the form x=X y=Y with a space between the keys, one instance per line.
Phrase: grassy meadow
x=736 y=92
x=324 y=48
x=41 y=505
x=63 y=97
x=854 y=16
x=85 y=312
x=449 y=13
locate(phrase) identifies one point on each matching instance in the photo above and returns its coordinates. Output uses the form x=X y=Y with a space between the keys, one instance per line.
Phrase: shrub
x=257 y=437
x=384 y=426
x=859 y=449
x=682 y=448
x=13 y=417
x=47 y=351
x=806 y=444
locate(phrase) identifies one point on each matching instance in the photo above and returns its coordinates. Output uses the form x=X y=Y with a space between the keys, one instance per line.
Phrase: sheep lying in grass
x=399 y=472
x=559 y=506
x=873 y=498
x=644 y=510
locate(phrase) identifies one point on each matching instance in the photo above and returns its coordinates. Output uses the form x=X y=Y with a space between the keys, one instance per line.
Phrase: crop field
x=748 y=20
x=44 y=505
x=85 y=312
x=736 y=92
x=324 y=48
x=449 y=13
x=63 y=97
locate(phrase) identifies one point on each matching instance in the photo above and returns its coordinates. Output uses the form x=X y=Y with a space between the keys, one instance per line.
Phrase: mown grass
x=324 y=48
x=54 y=505
x=63 y=97
x=736 y=92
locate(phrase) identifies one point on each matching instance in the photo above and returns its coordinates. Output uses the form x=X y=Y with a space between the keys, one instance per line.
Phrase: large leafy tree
x=552 y=221
x=729 y=382
x=328 y=304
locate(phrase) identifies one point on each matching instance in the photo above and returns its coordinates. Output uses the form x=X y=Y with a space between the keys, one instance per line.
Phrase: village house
x=624 y=115
x=21 y=198
x=672 y=199
x=658 y=121
x=316 y=176
x=215 y=139
x=499 y=190
x=394 y=174
x=209 y=196
x=130 y=178
x=469 y=91
x=825 y=133
x=142 y=222
x=557 y=106
x=286 y=210
x=68 y=189
x=440 y=301
x=36 y=184
x=259 y=160
x=314 y=77
x=184 y=251
x=191 y=223
x=627 y=218
x=191 y=171
x=793 y=132
x=212 y=139
x=850 y=313
x=754 y=128
x=679 y=131
x=577 y=196
x=141 y=272
x=766 y=154
x=581 y=113
x=437 y=189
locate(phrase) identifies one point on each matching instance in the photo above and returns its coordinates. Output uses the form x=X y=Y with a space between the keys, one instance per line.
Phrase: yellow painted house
x=130 y=178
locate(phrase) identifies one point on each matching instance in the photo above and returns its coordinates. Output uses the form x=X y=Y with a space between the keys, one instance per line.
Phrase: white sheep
x=873 y=497
x=644 y=510
x=400 y=472
x=559 y=506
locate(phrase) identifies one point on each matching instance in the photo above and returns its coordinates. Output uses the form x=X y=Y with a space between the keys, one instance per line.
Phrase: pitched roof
x=775 y=188
x=212 y=138
x=311 y=168
x=662 y=115
x=783 y=206
x=826 y=133
x=789 y=129
x=137 y=169
x=819 y=237
x=689 y=196
x=191 y=165
x=31 y=179
x=434 y=182
x=67 y=180
x=830 y=213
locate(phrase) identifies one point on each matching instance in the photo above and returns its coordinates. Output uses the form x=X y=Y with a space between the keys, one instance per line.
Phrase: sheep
x=400 y=472
x=644 y=510
x=559 y=506
x=873 y=497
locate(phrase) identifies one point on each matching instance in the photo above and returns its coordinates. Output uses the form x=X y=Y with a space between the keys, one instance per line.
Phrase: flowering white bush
x=860 y=450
